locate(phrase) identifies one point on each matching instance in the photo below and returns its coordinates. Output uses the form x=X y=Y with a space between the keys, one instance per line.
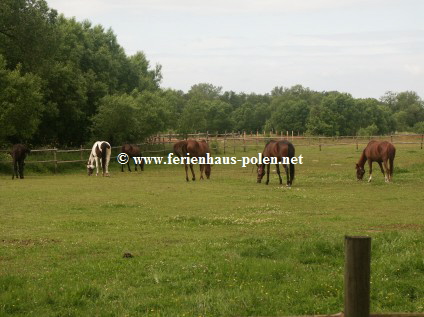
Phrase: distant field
x=220 y=247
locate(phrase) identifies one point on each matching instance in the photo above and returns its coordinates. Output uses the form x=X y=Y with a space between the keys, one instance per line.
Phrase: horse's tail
x=184 y=149
x=291 y=165
x=180 y=148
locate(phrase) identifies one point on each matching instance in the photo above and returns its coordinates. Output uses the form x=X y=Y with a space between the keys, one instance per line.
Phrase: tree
x=204 y=91
x=20 y=104
x=288 y=115
x=321 y=121
x=116 y=120
x=27 y=34
x=193 y=118
x=130 y=118
x=218 y=116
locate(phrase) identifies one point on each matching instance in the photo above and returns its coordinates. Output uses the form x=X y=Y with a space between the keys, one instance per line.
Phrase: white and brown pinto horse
x=101 y=150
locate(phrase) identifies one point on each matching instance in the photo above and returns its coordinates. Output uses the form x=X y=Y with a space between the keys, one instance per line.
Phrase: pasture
x=220 y=247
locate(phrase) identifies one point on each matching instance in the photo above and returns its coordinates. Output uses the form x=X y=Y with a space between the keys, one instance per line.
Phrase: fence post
x=55 y=159
x=207 y=136
x=391 y=138
x=81 y=152
x=244 y=141
x=164 y=146
x=225 y=139
x=357 y=276
x=234 y=142
x=422 y=138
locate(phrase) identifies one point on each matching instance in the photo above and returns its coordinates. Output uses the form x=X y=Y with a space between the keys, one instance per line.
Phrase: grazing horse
x=192 y=148
x=278 y=150
x=19 y=153
x=382 y=152
x=102 y=150
x=132 y=151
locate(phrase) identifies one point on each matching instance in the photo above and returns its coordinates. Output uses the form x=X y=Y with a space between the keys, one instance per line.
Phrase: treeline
x=64 y=82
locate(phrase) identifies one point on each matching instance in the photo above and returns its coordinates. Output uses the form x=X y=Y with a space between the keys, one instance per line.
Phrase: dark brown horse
x=383 y=153
x=19 y=153
x=132 y=151
x=190 y=149
x=276 y=151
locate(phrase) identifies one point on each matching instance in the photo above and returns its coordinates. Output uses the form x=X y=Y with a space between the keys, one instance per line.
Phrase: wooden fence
x=224 y=143
x=231 y=141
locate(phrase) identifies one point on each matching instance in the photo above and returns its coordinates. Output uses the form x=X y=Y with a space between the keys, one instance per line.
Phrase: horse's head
x=261 y=172
x=360 y=171
x=90 y=169
x=208 y=170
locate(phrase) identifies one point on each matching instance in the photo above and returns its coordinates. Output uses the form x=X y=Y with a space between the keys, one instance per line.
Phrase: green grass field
x=220 y=247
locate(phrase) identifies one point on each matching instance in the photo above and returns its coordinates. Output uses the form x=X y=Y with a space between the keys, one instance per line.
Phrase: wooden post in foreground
x=357 y=276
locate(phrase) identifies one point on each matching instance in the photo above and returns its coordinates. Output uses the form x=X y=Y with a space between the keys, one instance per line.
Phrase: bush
x=368 y=131
x=419 y=127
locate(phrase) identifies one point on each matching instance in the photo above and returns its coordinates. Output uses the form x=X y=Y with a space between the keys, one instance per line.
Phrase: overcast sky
x=363 y=47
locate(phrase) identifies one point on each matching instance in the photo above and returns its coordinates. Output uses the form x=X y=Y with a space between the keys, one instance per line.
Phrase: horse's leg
x=21 y=169
x=107 y=166
x=202 y=167
x=267 y=174
x=104 y=167
x=286 y=168
x=15 y=169
x=382 y=170
x=279 y=175
x=96 y=160
x=192 y=172
x=122 y=168
x=186 y=170
x=370 y=165
x=391 y=161
x=129 y=167
x=386 y=175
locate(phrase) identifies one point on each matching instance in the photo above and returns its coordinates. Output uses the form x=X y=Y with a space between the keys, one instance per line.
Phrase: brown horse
x=382 y=152
x=192 y=148
x=19 y=153
x=278 y=150
x=132 y=151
